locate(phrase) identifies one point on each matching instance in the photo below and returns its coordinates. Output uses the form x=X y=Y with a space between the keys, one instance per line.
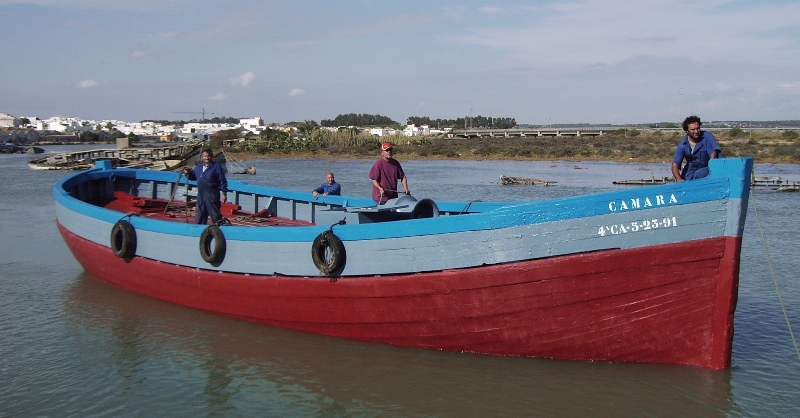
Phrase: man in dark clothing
x=210 y=182
x=697 y=148
x=385 y=173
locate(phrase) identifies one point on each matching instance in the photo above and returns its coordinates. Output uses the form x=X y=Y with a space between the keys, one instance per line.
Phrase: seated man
x=329 y=187
x=697 y=148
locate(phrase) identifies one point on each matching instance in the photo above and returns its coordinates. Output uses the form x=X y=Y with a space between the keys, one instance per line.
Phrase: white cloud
x=491 y=10
x=85 y=84
x=242 y=80
x=218 y=96
x=793 y=86
x=297 y=92
x=137 y=54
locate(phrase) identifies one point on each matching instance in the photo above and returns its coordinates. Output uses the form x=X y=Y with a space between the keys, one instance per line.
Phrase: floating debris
x=524 y=181
x=788 y=188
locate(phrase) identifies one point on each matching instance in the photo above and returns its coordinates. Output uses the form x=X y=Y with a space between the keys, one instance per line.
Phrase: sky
x=540 y=62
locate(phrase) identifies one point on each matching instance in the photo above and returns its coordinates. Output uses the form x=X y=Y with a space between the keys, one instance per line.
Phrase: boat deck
x=185 y=211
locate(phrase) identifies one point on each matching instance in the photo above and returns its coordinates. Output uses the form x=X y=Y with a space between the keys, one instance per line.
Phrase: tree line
x=362 y=119
x=218 y=119
x=365 y=119
x=465 y=122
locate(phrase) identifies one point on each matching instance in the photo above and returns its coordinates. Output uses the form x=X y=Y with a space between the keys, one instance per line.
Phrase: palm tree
x=307 y=127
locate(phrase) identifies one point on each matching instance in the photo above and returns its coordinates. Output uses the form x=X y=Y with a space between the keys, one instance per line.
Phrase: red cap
x=386 y=145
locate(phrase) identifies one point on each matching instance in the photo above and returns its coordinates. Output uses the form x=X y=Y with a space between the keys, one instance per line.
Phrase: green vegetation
x=352 y=119
x=89 y=136
x=644 y=146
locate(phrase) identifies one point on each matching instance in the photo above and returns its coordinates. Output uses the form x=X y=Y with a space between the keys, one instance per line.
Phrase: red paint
x=664 y=304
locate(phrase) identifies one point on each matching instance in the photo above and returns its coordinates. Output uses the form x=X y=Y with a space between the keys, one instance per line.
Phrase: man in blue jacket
x=210 y=182
x=697 y=148
x=329 y=187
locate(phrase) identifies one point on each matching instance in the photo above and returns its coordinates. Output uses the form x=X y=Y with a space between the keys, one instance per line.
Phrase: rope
x=128 y=215
x=174 y=190
x=774 y=277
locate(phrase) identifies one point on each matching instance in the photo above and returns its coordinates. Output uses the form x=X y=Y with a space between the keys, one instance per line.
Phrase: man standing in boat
x=210 y=182
x=329 y=187
x=697 y=148
x=385 y=173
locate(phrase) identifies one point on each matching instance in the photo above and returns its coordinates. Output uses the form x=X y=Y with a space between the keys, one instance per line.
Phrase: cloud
x=85 y=84
x=792 y=87
x=242 y=80
x=297 y=92
x=586 y=32
x=491 y=10
x=386 y=25
x=218 y=96
x=137 y=54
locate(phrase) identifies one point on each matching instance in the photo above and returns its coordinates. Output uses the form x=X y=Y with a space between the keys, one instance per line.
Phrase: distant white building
x=411 y=130
x=8 y=121
x=254 y=125
x=378 y=131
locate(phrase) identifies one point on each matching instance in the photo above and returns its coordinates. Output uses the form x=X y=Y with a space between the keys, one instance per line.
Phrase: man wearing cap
x=384 y=174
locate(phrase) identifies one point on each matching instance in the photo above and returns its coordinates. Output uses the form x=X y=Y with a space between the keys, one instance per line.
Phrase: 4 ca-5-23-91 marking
x=636 y=226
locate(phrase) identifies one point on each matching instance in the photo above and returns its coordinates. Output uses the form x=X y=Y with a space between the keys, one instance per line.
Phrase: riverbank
x=631 y=146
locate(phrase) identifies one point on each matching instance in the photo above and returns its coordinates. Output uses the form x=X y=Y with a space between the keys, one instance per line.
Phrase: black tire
x=425 y=208
x=217 y=254
x=123 y=239
x=328 y=254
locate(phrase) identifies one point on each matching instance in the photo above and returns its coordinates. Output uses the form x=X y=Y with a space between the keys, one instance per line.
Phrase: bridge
x=583 y=131
x=526 y=132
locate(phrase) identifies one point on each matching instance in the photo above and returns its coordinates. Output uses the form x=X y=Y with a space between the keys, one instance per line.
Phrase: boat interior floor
x=178 y=211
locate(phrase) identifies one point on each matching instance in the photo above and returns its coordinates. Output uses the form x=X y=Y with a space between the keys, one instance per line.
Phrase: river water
x=72 y=346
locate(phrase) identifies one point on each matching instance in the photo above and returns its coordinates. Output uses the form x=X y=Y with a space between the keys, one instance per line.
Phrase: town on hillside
x=64 y=130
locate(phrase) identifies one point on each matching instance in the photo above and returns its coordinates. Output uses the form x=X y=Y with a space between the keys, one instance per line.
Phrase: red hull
x=677 y=307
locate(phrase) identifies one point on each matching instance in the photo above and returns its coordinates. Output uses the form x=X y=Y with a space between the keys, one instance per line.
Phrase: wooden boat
x=770 y=181
x=166 y=157
x=645 y=274
x=232 y=165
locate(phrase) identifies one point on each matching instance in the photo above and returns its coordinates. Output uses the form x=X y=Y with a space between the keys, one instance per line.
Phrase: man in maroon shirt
x=384 y=174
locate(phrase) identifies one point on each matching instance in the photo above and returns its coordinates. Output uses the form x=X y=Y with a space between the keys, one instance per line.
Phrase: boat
x=643 y=275
x=167 y=157
x=769 y=181
x=9 y=148
x=233 y=166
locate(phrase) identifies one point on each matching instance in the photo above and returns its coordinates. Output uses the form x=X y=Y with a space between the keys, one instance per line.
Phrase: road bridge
x=526 y=132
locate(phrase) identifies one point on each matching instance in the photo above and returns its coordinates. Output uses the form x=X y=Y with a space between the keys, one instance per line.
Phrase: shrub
x=734 y=132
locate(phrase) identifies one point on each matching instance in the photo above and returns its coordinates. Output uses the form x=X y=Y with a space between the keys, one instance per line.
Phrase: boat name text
x=638 y=203
x=637 y=226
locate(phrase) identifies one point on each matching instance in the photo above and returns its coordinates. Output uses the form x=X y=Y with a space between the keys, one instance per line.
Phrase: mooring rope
x=772 y=270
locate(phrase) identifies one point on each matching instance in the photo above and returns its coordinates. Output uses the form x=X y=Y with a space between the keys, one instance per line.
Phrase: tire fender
x=328 y=254
x=123 y=239
x=212 y=255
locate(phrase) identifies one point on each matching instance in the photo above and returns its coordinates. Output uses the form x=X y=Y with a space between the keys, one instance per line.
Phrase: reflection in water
x=216 y=390
x=128 y=356
x=249 y=368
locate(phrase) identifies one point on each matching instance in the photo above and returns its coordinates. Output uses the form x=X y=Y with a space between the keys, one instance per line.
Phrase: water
x=72 y=346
